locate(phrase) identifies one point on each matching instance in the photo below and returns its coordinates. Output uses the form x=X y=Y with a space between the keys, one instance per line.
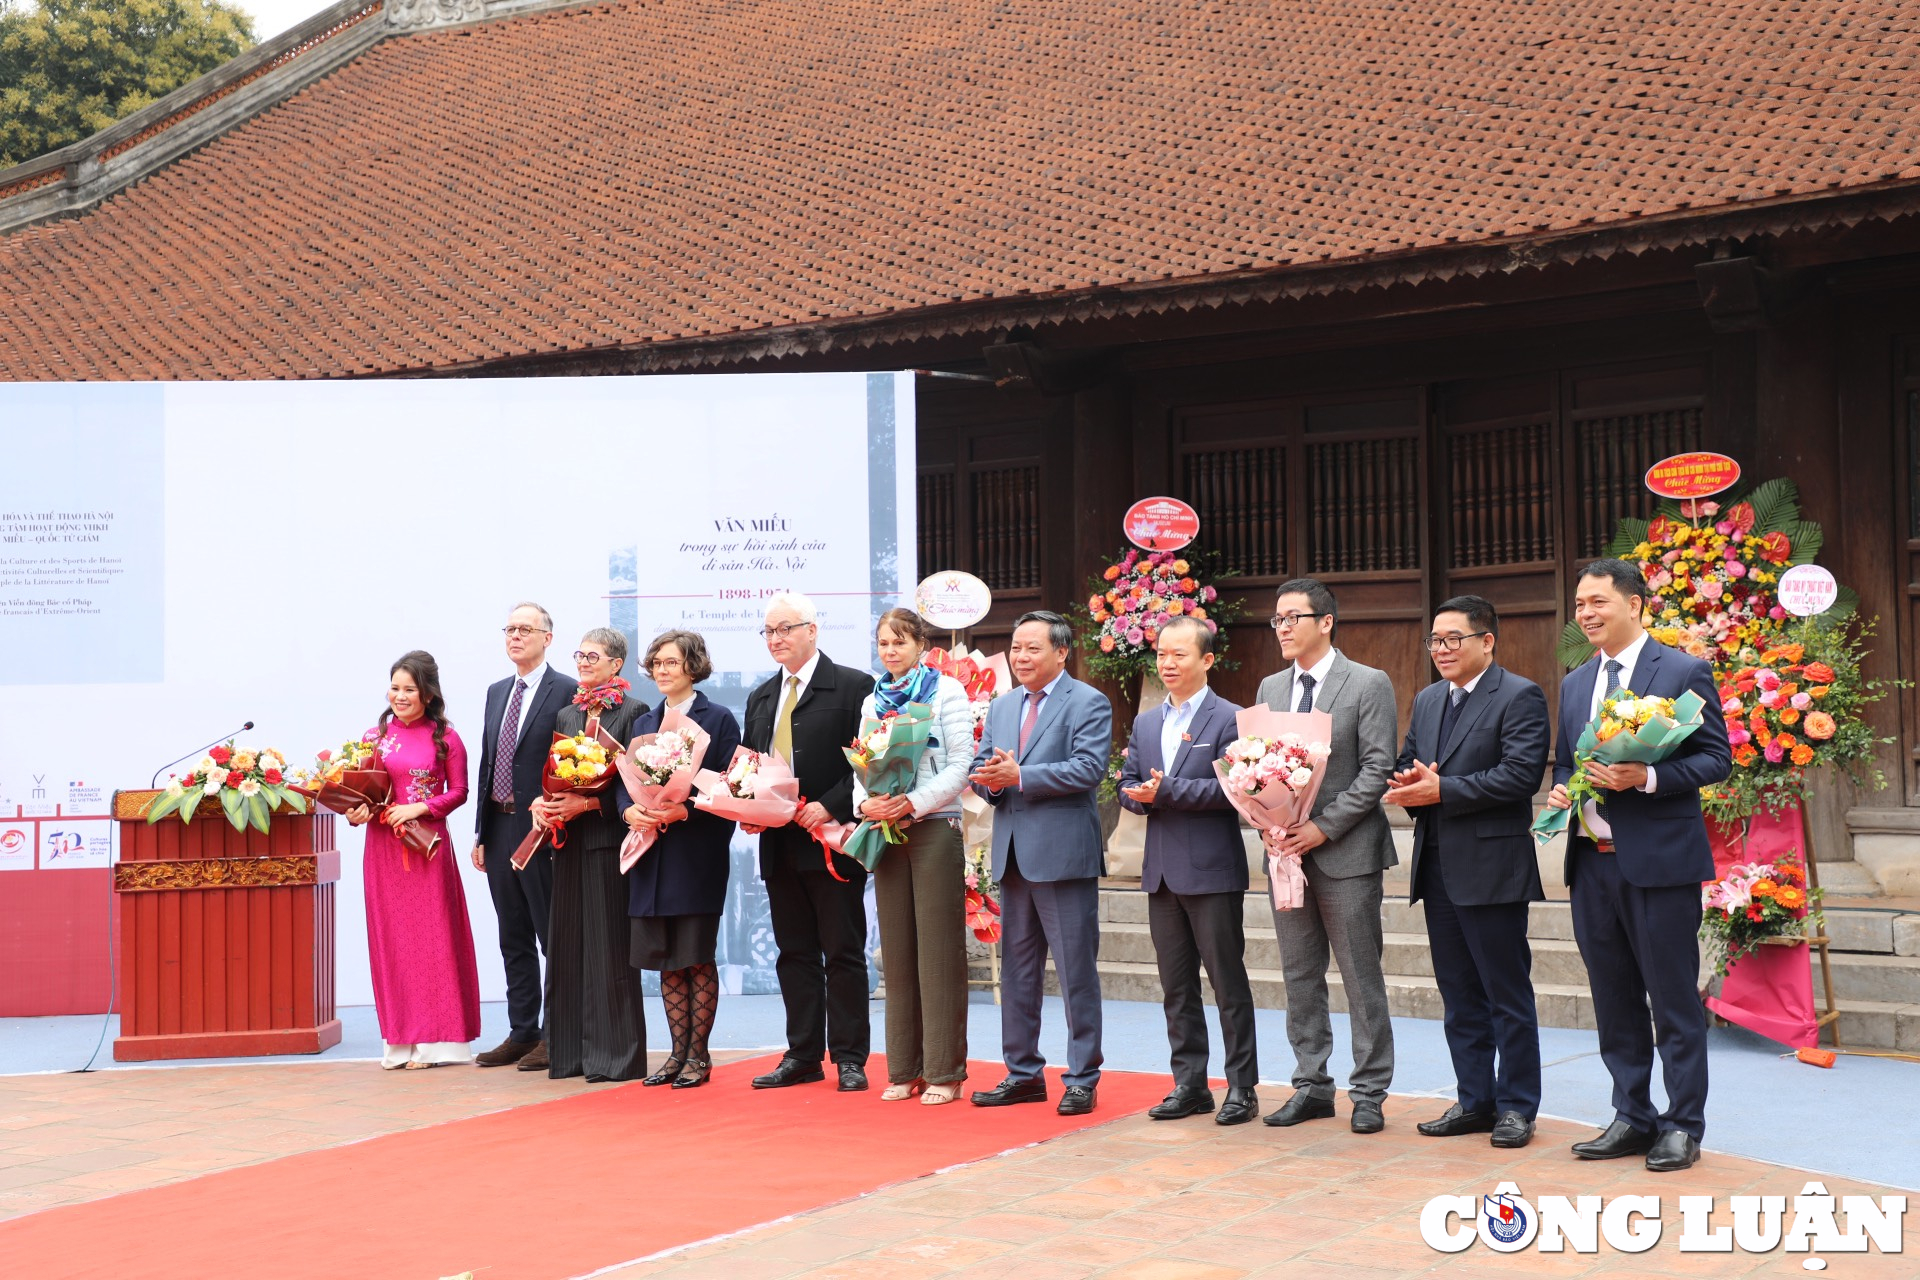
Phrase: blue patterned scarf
x=892 y=693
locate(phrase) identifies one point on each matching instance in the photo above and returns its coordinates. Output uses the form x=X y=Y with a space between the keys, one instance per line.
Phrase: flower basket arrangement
x=250 y=787
x=1752 y=904
x=1137 y=595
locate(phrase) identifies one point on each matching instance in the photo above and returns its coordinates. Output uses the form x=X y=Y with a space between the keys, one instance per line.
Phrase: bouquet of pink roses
x=659 y=769
x=758 y=789
x=1271 y=773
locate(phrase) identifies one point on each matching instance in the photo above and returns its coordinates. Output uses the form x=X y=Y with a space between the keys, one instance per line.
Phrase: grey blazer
x=1053 y=818
x=1347 y=810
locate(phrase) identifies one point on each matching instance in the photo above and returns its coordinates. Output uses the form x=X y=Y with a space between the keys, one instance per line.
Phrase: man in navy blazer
x=1636 y=880
x=512 y=756
x=1475 y=753
x=1194 y=874
x=1042 y=755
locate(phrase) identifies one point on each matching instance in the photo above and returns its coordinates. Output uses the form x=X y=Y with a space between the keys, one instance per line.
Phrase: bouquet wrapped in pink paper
x=758 y=789
x=659 y=769
x=1271 y=773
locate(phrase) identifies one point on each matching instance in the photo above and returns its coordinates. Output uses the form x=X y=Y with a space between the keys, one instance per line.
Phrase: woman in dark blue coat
x=675 y=893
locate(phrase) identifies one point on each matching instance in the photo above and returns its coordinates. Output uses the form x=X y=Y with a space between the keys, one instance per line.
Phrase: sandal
x=668 y=1073
x=696 y=1074
x=941 y=1094
x=901 y=1092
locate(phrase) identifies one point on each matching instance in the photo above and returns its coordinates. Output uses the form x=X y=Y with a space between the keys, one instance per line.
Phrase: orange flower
x=1181 y=567
x=1820 y=690
x=1101 y=615
x=1765 y=889
x=1818 y=673
x=1788 y=872
x=1200 y=614
x=1788 y=652
x=1763 y=738
x=1788 y=689
x=1744 y=754
x=1106 y=644
x=1802 y=755
x=1093 y=603
x=1787 y=741
x=1791 y=898
x=1789 y=716
x=1187 y=586
x=1820 y=725
x=1113 y=571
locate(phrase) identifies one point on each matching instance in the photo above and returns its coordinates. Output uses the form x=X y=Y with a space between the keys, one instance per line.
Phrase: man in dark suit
x=1635 y=880
x=1041 y=758
x=1194 y=874
x=519 y=729
x=807 y=711
x=1475 y=753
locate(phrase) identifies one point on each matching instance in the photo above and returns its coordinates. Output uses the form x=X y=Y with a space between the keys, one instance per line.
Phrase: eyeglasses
x=1451 y=643
x=667 y=664
x=768 y=633
x=587 y=655
x=1288 y=621
x=522 y=631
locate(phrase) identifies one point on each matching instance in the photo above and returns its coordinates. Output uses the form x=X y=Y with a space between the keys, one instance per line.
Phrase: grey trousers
x=1341 y=917
x=919 y=893
x=1189 y=929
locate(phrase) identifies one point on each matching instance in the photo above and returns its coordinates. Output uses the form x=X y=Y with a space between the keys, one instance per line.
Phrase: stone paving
x=1129 y=1200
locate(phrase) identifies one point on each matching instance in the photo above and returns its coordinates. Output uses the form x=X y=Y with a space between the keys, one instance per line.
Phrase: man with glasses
x=1475 y=753
x=806 y=711
x=1344 y=852
x=519 y=729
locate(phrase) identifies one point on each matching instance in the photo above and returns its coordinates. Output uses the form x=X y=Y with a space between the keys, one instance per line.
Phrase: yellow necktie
x=783 y=725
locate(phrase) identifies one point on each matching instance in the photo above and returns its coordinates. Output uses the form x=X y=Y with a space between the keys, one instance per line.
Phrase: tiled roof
x=651 y=171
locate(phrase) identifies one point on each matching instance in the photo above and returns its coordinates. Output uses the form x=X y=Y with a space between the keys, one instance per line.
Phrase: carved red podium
x=226 y=937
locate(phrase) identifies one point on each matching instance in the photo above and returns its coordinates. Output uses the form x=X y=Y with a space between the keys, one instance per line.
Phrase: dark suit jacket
x=1193 y=833
x=826 y=719
x=1490 y=766
x=685 y=873
x=1661 y=839
x=553 y=692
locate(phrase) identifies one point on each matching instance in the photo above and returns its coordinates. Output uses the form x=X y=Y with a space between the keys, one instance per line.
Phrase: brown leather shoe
x=504 y=1054
x=536 y=1059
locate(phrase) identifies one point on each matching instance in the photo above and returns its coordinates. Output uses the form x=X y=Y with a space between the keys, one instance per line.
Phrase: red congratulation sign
x=1692 y=475
x=1161 y=524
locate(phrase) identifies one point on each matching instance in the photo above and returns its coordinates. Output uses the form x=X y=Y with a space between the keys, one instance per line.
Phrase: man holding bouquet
x=1635 y=861
x=1344 y=852
x=1475 y=753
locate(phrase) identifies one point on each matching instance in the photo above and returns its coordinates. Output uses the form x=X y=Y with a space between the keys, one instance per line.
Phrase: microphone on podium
x=196 y=751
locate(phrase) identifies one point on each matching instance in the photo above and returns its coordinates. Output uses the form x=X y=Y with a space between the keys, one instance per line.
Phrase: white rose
x=1299 y=778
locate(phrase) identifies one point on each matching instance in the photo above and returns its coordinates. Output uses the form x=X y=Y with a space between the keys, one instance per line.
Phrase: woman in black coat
x=679 y=887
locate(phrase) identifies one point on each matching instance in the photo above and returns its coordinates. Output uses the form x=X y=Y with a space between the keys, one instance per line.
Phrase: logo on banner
x=16 y=848
x=77 y=845
x=83 y=797
x=1161 y=524
x=951 y=600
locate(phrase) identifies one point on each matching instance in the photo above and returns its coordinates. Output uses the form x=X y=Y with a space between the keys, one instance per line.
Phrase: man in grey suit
x=1041 y=758
x=1195 y=874
x=1343 y=851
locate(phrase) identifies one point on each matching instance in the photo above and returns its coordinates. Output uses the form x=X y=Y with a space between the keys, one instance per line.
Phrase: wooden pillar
x=1103 y=488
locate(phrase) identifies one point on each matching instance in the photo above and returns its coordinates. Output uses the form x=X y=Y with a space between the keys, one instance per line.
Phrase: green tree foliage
x=69 y=68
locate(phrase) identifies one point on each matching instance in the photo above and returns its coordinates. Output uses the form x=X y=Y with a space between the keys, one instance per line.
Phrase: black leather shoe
x=1241 y=1106
x=1456 y=1121
x=1184 y=1101
x=1300 y=1107
x=1367 y=1118
x=790 y=1072
x=1620 y=1139
x=669 y=1072
x=1078 y=1100
x=1672 y=1152
x=1010 y=1091
x=1514 y=1130
x=853 y=1078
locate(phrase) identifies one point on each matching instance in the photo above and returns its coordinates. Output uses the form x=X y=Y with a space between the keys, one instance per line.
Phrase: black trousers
x=1188 y=930
x=522 y=903
x=1484 y=967
x=820 y=930
x=1642 y=949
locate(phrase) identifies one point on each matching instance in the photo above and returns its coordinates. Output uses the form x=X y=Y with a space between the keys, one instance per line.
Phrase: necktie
x=783 y=725
x=1306 y=692
x=1450 y=713
x=1033 y=713
x=503 y=750
x=1613 y=677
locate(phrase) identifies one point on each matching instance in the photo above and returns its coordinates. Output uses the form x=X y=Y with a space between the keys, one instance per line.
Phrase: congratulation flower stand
x=1771 y=990
x=226 y=937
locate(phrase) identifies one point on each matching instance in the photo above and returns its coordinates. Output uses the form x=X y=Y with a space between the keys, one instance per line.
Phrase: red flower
x=221 y=755
x=1775 y=548
x=272 y=777
x=235 y=777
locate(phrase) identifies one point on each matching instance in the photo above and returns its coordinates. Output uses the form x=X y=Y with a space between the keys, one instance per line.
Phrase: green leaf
x=295 y=802
x=1776 y=504
x=1629 y=535
x=272 y=793
x=165 y=805
x=1574 y=647
x=257 y=811
x=233 y=802
x=1846 y=603
x=1804 y=540
x=190 y=804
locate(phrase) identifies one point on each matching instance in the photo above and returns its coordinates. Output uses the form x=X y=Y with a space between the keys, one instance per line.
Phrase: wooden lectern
x=226 y=937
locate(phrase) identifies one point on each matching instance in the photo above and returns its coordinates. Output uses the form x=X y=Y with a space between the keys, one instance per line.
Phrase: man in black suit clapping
x=807 y=711
x=519 y=729
x=1475 y=753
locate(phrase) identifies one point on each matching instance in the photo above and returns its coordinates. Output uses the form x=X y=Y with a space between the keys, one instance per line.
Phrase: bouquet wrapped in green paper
x=1629 y=729
x=886 y=758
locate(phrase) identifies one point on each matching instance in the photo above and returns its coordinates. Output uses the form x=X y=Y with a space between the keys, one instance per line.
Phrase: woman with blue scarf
x=920 y=886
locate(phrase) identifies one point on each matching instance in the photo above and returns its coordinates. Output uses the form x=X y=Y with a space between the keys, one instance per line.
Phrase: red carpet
x=542 y=1192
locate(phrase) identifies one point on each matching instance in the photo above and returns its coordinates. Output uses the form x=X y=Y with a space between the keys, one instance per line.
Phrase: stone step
x=1554 y=962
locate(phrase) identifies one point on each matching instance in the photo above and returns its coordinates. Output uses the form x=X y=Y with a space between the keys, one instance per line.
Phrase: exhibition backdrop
x=176 y=559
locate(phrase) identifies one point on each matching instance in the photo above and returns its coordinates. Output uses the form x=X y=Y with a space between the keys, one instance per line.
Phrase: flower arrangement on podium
x=251 y=786
x=983 y=896
x=660 y=769
x=1629 y=728
x=758 y=788
x=353 y=775
x=1137 y=595
x=1752 y=903
x=885 y=757
x=579 y=764
x=1271 y=773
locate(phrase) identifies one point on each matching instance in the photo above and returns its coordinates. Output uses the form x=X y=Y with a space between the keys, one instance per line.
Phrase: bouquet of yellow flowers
x=1628 y=728
x=578 y=764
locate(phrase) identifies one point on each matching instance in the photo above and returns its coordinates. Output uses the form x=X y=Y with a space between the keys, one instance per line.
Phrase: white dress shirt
x=1177 y=720
x=1319 y=672
x=805 y=674
x=1628 y=658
